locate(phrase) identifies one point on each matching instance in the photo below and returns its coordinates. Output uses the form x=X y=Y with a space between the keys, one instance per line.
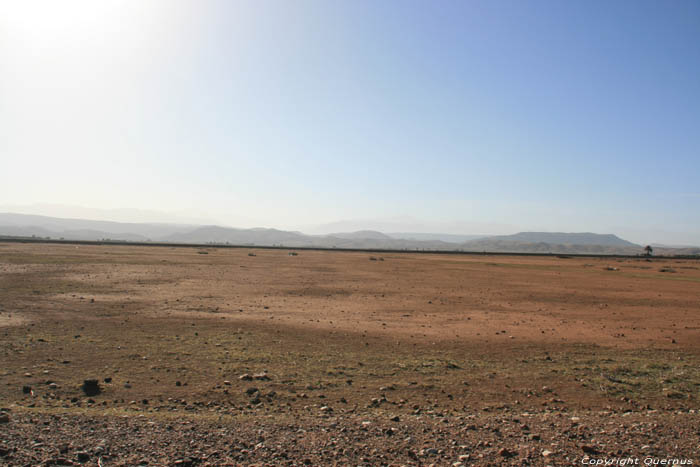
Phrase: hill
x=562 y=238
x=21 y=225
x=554 y=242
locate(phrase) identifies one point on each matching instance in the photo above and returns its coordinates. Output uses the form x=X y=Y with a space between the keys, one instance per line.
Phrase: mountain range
x=23 y=225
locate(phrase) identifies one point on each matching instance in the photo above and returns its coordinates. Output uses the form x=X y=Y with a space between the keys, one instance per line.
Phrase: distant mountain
x=554 y=242
x=216 y=234
x=84 y=229
x=450 y=238
x=562 y=238
x=26 y=231
x=663 y=245
x=20 y=225
x=361 y=234
x=271 y=237
x=80 y=234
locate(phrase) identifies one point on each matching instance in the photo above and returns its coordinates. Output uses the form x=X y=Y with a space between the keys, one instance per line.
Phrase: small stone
x=82 y=456
x=503 y=452
x=61 y=461
x=546 y=453
x=4 y=418
x=245 y=377
x=91 y=387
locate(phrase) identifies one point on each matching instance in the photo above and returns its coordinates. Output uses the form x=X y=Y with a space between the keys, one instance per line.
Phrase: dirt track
x=444 y=342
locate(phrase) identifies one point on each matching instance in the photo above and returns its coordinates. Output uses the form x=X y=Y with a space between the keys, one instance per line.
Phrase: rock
x=245 y=377
x=53 y=386
x=547 y=453
x=503 y=452
x=589 y=449
x=395 y=418
x=59 y=461
x=26 y=389
x=261 y=376
x=108 y=379
x=91 y=387
x=674 y=394
x=4 y=418
x=226 y=383
x=251 y=391
x=82 y=456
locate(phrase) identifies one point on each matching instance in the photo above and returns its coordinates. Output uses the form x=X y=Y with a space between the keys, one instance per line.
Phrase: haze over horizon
x=454 y=117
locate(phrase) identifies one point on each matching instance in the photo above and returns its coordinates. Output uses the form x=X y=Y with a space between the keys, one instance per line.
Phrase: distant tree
x=648 y=250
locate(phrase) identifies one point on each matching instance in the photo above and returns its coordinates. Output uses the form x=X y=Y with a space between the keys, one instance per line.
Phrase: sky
x=470 y=117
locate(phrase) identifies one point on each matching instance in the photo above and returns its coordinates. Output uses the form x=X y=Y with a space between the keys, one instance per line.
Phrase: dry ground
x=406 y=359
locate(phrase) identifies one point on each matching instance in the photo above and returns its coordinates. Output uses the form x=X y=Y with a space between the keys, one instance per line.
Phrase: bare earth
x=215 y=357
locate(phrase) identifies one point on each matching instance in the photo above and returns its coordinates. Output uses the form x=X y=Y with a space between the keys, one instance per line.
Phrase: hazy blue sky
x=470 y=116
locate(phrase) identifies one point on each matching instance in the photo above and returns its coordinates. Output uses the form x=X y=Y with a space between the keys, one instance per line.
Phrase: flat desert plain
x=234 y=356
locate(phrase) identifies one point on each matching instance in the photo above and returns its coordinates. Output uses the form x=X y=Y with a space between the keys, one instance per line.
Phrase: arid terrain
x=228 y=356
